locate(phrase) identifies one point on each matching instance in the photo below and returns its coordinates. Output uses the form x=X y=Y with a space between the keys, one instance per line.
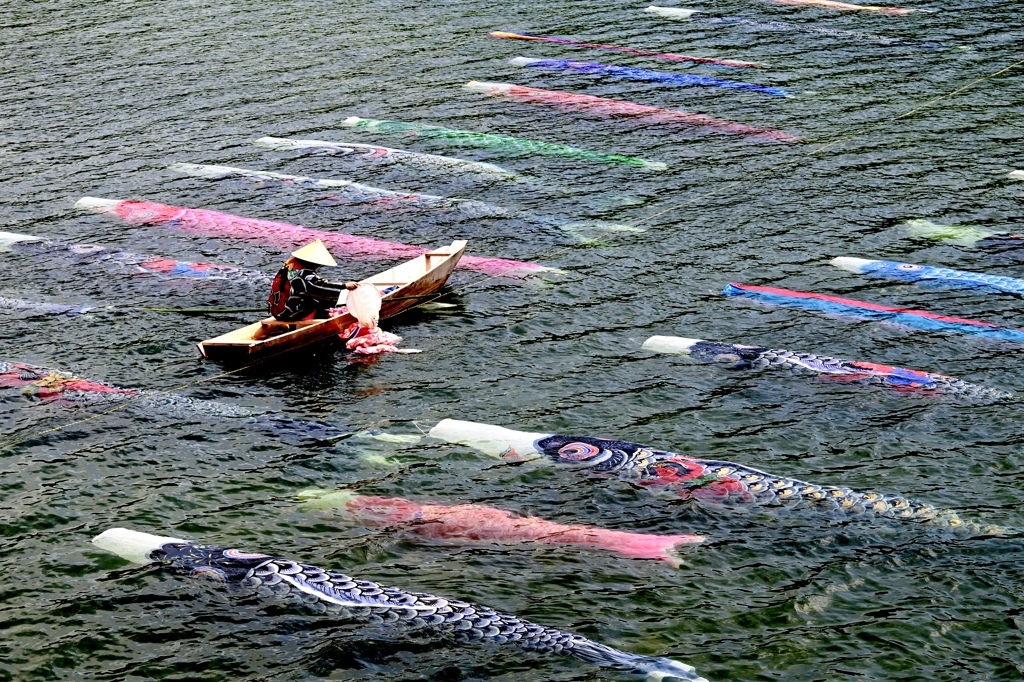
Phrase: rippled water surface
x=98 y=99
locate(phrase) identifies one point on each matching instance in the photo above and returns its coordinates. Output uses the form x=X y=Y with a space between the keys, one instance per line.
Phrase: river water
x=98 y=99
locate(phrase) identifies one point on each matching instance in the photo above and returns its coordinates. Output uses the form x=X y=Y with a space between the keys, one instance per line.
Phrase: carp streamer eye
x=140 y=215
x=909 y=267
x=728 y=359
x=576 y=452
x=237 y=554
x=86 y=248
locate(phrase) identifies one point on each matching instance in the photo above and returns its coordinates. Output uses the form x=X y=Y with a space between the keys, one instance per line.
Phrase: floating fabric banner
x=687 y=15
x=347 y=191
x=602 y=106
x=926 y=274
x=375 y=153
x=904 y=381
x=336 y=594
x=37 y=308
x=644 y=75
x=364 y=195
x=470 y=522
x=116 y=260
x=961 y=235
x=282 y=235
x=628 y=50
x=507 y=143
x=65 y=389
x=709 y=481
x=832 y=4
x=918 y=319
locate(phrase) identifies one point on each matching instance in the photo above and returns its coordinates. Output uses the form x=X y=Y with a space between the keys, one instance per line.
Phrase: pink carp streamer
x=736 y=63
x=285 y=235
x=602 y=106
x=832 y=4
x=468 y=522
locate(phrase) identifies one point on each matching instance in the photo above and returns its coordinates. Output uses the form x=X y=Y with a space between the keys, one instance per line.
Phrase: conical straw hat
x=315 y=253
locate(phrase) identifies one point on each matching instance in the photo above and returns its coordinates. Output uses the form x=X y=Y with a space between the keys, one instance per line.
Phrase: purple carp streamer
x=899 y=379
x=712 y=482
x=376 y=153
x=332 y=592
x=645 y=75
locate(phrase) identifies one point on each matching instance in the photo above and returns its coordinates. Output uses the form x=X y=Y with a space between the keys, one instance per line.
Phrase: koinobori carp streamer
x=340 y=596
x=687 y=15
x=711 y=482
x=507 y=143
x=62 y=388
x=282 y=235
x=918 y=319
x=376 y=153
x=644 y=75
x=348 y=191
x=736 y=63
x=602 y=106
x=845 y=6
x=471 y=522
x=122 y=261
x=927 y=274
x=898 y=379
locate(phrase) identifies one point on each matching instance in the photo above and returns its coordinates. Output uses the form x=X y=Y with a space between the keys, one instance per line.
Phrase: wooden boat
x=402 y=287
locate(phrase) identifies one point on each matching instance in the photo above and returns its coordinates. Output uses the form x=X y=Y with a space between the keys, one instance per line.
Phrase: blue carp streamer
x=645 y=75
x=334 y=593
x=927 y=274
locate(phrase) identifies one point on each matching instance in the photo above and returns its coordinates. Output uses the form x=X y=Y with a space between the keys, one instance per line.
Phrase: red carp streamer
x=284 y=235
x=602 y=106
x=467 y=522
x=629 y=50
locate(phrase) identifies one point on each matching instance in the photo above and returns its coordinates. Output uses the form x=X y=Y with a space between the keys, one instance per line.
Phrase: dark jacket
x=298 y=291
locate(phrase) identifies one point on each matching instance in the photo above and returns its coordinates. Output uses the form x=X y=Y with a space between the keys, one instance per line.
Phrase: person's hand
x=351 y=286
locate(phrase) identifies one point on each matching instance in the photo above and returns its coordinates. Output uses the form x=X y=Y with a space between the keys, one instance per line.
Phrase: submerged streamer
x=508 y=143
x=645 y=75
x=336 y=594
x=918 y=319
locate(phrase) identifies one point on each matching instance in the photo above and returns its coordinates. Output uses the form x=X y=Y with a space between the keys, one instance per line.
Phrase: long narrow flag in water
x=474 y=523
x=602 y=106
x=687 y=15
x=507 y=143
x=282 y=235
x=904 y=381
x=66 y=389
x=376 y=153
x=629 y=50
x=121 y=261
x=918 y=319
x=961 y=235
x=375 y=197
x=712 y=482
x=347 y=191
x=644 y=75
x=845 y=6
x=927 y=274
x=338 y=595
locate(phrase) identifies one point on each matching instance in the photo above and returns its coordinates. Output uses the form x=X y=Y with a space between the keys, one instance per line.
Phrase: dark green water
x=98 y=98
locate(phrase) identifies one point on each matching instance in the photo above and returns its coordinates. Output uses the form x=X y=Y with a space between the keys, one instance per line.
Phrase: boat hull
x=415 y=280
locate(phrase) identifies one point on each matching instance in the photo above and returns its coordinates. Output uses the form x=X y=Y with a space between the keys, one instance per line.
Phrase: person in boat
x=298 y=292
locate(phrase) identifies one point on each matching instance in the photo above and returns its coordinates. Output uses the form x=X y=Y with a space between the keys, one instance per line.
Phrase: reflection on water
x=98 y=100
